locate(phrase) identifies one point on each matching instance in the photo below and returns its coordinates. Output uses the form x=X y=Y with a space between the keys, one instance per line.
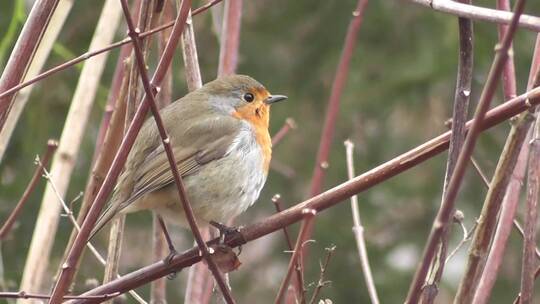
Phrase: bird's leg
x=227 y=232
x=172 y=250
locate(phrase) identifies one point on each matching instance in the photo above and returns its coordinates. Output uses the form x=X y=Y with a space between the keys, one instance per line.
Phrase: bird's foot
x=230 y=233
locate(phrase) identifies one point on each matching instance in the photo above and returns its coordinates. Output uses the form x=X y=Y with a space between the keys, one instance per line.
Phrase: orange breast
x=258 y=117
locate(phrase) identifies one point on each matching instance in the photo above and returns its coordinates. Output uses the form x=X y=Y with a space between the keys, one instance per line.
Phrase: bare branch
x=6 y=228
x=321 y=283
x=358 y=230
x=445 y=212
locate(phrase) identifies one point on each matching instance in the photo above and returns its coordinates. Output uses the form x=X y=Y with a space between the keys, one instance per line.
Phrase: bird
x=222 y=148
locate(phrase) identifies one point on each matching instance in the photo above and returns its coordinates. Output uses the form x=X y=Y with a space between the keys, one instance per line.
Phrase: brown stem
x=509 y=206
x=42 y=163
x=230 y=37
x=321 y=283
x=133 y=32
x=447 y=207
x=276 y=199
x=308 y=216
x=509 y=72
x=322 y=201
x=25 y=295
x=462 y=97
x=289 y=124
x=23 y=52
x=12 y=89
x=66 y=274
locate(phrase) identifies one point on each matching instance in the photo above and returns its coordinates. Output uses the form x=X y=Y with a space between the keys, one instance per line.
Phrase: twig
x=445 y=212
x=85 y=56
x=509 y=71
x=510 y=203
x=479 y=13
x=522 y=234
x=462 y=96
x=308 y=217
x=467 y=235
x=23 y=52
x=230 y=37
x=64 y=160
x=289 y=124
x=358 y=230
x=68 y=212
x=531 y=217
x=38 y=61
x=66 y=275
x=6 y=228
x=25 y=295
x=170 y=156
x=276 y=200
x=322 y=201
x=321 y=283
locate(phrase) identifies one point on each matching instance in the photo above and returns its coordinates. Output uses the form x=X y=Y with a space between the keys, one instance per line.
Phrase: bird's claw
x=168 y=261
x=226 y=232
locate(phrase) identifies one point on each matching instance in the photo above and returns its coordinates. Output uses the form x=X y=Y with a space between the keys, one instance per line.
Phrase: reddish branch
x=25 y=295
x=289 y=124
x=8 y=90
x=23 y=52
x=295 y=261
x=66 y=275
x=338 y=85
x=509 y=71
x=276 y=200
x=41 y=163
x=133 y=33
x=230 y=37
x=320 y=202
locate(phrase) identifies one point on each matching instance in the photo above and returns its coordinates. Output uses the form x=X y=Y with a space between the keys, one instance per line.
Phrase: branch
x=462 y=98
x=25 y=295
x=289 y=125
x=303 y=236
x=12 y=89
x=358 y=230
x=6 y=228
x=23 y=52
x=66 y=274
x=321 y=283
x=133 y=32
x=447 y=207
x=509 y=206
x=322 y=201
x=230 y=37
x=479 y=13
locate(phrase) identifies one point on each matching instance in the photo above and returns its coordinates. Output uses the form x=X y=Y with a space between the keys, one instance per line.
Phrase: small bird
x=220 y=140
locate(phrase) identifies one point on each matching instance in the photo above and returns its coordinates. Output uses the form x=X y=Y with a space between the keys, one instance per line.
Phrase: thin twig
x=23 y=52
x=25 y=295
x=85 y=56
x=323 y=267
x=509 y=205
x=358 y=229
x=445 y=212
x=320 y=202
x=467 y=234
x=66 y=275
x=308 y=216
x=276 y=200
x=479 y=13
x=6 y=228
x=133 y=32
x=64 y=161
x=289 y=125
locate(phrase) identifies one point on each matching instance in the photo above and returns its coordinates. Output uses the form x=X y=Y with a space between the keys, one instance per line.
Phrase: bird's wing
x=208 y=139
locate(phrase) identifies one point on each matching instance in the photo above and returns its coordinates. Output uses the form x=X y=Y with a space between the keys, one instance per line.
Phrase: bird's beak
x=274 y=98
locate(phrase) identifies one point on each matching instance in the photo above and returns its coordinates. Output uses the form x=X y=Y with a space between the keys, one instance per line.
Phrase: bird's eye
x=248 y=97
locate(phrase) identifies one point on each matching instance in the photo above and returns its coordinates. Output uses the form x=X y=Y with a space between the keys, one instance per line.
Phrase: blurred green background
x=398 y=95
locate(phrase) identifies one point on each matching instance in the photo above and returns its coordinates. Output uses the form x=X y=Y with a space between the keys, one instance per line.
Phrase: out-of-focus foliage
x=399 y=93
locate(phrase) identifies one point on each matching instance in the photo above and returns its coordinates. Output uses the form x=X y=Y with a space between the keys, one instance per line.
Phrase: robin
x=219 y=136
